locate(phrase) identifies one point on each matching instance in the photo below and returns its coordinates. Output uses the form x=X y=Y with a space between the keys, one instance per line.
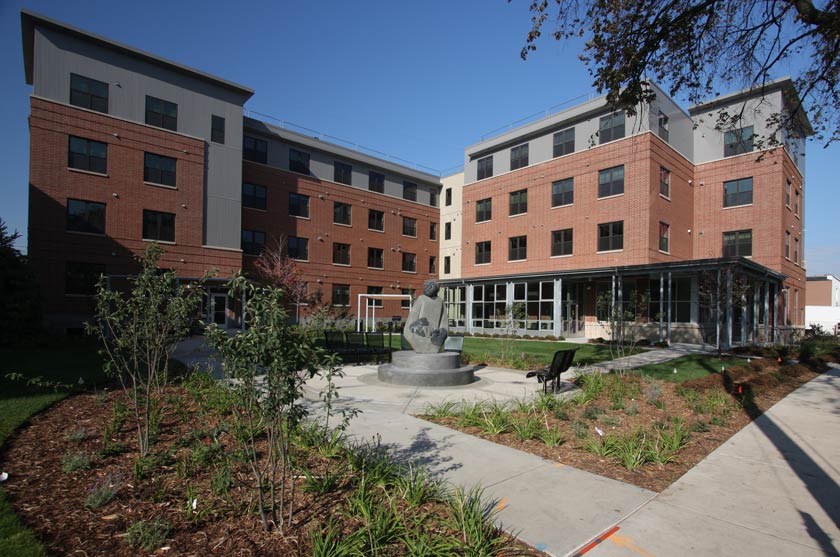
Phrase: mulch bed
x=767 y=381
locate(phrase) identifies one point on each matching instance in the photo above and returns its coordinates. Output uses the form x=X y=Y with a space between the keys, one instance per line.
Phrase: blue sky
x=416 y=80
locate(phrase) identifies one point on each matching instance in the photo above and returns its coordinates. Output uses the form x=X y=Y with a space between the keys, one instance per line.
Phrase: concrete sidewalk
x=651 y=357
x=772 y=489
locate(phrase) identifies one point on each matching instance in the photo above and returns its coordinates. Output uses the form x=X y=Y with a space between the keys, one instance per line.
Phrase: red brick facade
x=125 y=195
x=320 y=272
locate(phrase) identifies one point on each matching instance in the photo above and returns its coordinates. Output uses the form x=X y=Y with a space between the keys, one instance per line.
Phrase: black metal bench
x=358 y=347
x=561 y=362
x=376 y=344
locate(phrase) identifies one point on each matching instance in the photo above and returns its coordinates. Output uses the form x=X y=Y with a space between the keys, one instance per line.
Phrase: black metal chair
x=561 y=362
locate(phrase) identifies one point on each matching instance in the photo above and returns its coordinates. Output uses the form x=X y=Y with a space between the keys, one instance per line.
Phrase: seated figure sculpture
x=426 y=327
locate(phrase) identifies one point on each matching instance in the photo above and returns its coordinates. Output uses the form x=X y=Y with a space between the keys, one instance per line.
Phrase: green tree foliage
x=693 y=47
x=20 y=303
x=138 y=330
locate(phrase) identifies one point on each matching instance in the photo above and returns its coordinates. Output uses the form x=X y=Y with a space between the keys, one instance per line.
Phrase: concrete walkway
x=772 y=489
x=651 y=357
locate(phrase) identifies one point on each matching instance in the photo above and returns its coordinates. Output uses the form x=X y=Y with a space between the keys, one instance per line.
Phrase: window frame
x=257 y=151
x=480 y=209
x=737 y=243
x=342 y=173
x=217 y=132
x=787 y=245
x=89 y=95
x=299 y=242
x=89 y=157
x=741 y=196
x=664 y=182
x=252 y=247
x=735 y=143
x=294 y=195
x=377 y=302
x=664 y=131
x=517 y=203
x=608 y=127
x=340 y=211
x=519 y=156
x=159 y=226
x=161 y=113
x=562 y=242
x=376 y=181
x=411 y=259
x=372 y=256
x=562 y=144
x=409 y=191
x=333 y=297
x=154 y=163
x=610 y=237
x=664 y=237
x=566 y=196
x=484 y=168
x=611 y=183
x=406 y=221
x=521 y=246
x=483 y=250
x=432 y=264
x=447 y=195
x=447 y=230
x=381 y=219
x=341 y=254
x=299 y=161
x=433 y=231
x=254 y=197
x=87 y=227
x=447 y=265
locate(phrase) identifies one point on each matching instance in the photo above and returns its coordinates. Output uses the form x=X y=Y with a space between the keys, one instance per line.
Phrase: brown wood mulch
x=767 y=381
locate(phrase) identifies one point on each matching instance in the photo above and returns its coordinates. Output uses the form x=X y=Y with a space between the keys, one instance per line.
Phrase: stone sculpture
x=426 y=327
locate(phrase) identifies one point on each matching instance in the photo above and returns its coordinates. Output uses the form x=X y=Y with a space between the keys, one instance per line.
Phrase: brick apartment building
x=128 y=148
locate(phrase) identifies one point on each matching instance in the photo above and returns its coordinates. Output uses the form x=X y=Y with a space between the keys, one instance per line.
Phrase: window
x=86 y=154
x=299 y=205
x=433 y=231
x=253 y=242
x=341 y=253
x=161 y=114
x=342 y=213
x=561 y=242
x=298 y=161
x=375 y=302
x=297 y=248
x=518 y=202
x=796 y=203
x=447 y=194
x=409 y=227
x=341 y=295
x=447 y=231
x=482 y=253
x=376 y=182
x=410 y=191
x=796 y=250
x=663 y=126
x=611 y=127
x=664 y=237
x=406 y=304
x=434 y=197
x=738 y=192
x=517 y=248
x=409 y=262
x=342 y=173
x=254 y=196
x=85 y=216
x=483 y=210
x=738 y=141
x=376 y=220
x=563 y=192
x=255 y=150
x=217 y=129
x=158 y=169
x=447 y=266
x=611 y=181
x=787 y=245
x=519 y=157
x=376 y=258
x=158 y=226
x=81 y=278
x=664 y=182
x=432 y=264
x=564 y=142
x=611 y=236
x=787 y=194
x=737 y=243
x=88 y=93
x=485 y=167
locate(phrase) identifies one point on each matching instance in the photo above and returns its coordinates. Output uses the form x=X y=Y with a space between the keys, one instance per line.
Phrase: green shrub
x=148 y=535
x=527 y=428
x=416 y=487
x=581 y=429
x=592 y=412
x=472 y=516
x=445 y=409
x=78 y=435
x=631 y=449
x=75 y=461
x=103 y=491
x=221 y=481
x=602 y=446
x=591 y=386
x=632 y=409
x=330 y=540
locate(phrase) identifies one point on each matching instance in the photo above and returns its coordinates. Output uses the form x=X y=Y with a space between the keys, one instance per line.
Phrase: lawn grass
x=64 y=363
x=688 y=367
x=542 y=350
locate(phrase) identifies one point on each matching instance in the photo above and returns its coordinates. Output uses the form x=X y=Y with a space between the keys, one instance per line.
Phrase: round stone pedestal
x=443 y=369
